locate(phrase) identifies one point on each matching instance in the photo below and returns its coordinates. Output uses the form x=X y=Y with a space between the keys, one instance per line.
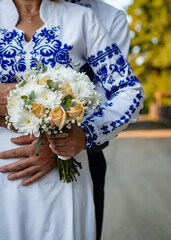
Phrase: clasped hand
x=33 y=167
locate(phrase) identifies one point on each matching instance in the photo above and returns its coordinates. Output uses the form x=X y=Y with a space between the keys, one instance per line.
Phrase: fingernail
x=2 y=170
x=10 y=178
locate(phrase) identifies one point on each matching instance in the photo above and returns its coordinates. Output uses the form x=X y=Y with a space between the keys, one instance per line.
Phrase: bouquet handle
x=63 y=158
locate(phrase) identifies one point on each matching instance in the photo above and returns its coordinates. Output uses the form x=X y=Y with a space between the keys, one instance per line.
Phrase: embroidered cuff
x=91 y=134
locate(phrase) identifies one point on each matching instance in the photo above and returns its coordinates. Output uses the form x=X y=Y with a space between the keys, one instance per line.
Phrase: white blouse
x=114 y=20
x=72 y=33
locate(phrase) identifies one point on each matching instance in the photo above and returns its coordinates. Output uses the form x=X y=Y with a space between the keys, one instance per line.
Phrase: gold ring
x=61 y=135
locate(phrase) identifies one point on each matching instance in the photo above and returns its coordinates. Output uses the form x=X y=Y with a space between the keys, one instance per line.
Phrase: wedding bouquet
x=48 y=100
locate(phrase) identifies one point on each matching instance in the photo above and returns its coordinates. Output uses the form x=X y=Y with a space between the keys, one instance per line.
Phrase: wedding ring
x=61 y=135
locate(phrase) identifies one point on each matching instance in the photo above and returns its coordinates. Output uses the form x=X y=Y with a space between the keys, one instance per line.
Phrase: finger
x=33 y=178
x=59 y=142
x=64 y=148
x=15 y=153
x=22 y=174
x=18 y=166
x=23 y=139
x=54 y=150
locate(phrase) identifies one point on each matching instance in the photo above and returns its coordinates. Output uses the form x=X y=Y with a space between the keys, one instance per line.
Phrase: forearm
x=113 y=116
x=5 y=88
x=2 y=122
x=3 y=108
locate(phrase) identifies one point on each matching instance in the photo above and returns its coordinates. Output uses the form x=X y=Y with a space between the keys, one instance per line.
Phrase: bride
x=47 y=31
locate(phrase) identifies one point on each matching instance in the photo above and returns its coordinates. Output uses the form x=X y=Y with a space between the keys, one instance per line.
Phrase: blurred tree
x=150 y=52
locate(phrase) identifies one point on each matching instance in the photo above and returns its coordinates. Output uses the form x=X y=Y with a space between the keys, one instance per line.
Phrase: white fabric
x=48 y=209
x=113 y=19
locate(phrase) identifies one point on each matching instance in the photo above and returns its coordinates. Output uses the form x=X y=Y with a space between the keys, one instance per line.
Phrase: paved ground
x=138 y=187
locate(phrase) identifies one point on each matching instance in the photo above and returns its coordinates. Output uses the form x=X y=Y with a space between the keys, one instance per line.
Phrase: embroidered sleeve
x=122 y=92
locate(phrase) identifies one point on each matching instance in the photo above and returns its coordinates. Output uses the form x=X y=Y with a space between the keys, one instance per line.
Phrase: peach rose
x=12 y=100
x=42 y=81
x=58 y=117
x=67 y=90
x=37 y=109
x=77 y=111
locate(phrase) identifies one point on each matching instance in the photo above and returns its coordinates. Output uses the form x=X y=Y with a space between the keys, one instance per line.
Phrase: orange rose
x=12 y=100
x=58 y=117
x=77 y=111
x=37 y=109
x=42 y=81
x=67 y=90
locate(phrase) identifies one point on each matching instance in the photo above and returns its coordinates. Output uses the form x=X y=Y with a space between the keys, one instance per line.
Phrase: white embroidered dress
x=50 y=209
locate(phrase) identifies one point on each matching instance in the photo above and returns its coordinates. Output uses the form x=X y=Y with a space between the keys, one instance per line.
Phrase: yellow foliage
x=154 y=40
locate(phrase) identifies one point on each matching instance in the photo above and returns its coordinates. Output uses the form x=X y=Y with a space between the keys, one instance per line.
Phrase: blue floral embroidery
x=102 y=55
x=105 y=129
x=12 y=55
x=102 y=74
x=49 y=50
x=119 y=67
x=109 y=104
x=90 y=134
x=105 y=74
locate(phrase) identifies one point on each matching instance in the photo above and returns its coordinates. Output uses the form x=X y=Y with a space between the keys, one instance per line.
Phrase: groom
x=115 y=22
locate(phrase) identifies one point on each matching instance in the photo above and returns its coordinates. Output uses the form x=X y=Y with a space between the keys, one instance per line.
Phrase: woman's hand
x=5 y=88
x=33 y=167
x=70 y=146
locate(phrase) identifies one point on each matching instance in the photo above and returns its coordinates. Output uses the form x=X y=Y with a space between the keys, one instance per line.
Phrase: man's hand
x=5 y=88
x=33 y=167
x=70 y=146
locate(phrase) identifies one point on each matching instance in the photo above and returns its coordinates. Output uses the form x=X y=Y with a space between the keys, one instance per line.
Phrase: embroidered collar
x=10 y=14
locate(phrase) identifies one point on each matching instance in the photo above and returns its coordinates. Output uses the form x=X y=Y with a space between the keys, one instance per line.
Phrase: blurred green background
x=150 y=51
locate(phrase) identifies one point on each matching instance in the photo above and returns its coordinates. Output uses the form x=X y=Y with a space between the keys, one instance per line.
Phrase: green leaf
x=49 y=82
x=73 y=104
x=24 y=97
x=22 y=83
x=67 y=98
x=27 y=102
x=44 y=69
x=64 y=106
x=38 y=144
x=16 y=78
x=68 y=102
x=39 y=65
x=54 y=86
x=74 y=66
x=32 y=96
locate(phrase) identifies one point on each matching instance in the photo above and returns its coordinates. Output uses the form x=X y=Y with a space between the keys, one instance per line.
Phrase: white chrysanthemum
x=48 y=98
x=28 y=88
x=14 y=106
x=27 y=123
